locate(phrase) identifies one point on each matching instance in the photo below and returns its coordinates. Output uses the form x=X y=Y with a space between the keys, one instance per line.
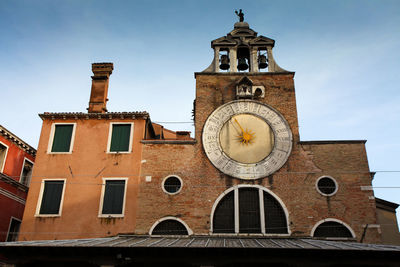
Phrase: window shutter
x=224 y=215
x=113 y=197
x=249 y=211
x=120 y=137
x=275 y=218
x=62 y=138
x=51 y=198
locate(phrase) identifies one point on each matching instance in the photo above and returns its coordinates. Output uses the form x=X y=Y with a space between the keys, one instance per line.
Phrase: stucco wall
x=83 y=170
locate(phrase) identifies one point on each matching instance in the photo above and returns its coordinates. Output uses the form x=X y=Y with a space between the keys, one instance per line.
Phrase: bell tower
x=242 y=50
x=243 y=68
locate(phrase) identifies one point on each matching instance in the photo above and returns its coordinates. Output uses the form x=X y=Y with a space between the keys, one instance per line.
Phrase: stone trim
x=16 y=140
x=325 y=142
x=12 y=196
x=82 y=115
x=244 y=73
x=5 y=178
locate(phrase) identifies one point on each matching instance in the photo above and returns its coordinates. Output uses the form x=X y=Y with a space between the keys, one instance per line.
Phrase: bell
x=242 y=64
x=224 y=62
x=262 y=62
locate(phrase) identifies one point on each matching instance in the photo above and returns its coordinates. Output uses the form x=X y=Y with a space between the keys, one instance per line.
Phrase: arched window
x=331 y=228
x=170 y=226
x=249 y=209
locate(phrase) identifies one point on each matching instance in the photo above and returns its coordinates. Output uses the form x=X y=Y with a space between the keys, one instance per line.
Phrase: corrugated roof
x=126 y=241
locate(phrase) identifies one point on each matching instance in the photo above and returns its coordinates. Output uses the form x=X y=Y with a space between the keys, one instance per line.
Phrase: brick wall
x=294 y=183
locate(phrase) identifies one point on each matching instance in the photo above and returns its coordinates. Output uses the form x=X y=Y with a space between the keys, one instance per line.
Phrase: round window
x=172 y=184
x=327 y=186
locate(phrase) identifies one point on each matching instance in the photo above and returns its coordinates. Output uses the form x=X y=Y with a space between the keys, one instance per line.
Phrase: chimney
x=98 y=95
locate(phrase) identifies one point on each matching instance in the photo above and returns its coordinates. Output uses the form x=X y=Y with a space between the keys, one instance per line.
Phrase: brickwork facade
x=294 y=183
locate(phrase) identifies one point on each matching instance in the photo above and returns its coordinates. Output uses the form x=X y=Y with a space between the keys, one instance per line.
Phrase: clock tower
x=247 y=171
x=245 y=106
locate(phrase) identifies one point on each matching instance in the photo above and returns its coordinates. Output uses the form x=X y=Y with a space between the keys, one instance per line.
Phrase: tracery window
x=249 y=209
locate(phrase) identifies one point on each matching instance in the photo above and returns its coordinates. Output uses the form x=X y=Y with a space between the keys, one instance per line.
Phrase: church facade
x=246 y=172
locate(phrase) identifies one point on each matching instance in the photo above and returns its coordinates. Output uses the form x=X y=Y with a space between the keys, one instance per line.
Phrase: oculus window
x=326 y=186
x=62 y=138
x=172 y=185
x=121 y=136
x=249 y=210
x=51 y=197
x=113 y=198
x=332 y=229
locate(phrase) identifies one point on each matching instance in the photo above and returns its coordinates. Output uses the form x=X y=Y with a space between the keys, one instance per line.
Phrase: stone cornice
x=5 y=178
x=244 y=73
x=87 y=116
x=18 y=141
x=325 y=142
x=386 y=205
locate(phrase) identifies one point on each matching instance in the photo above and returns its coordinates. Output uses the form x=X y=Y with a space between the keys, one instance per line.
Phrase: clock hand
x=239 y=125
x=235 y=127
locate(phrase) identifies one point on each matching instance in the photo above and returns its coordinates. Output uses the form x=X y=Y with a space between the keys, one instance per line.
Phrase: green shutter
x=62 y=138
x=51 y=198
x=113 y=197
x=120 y=137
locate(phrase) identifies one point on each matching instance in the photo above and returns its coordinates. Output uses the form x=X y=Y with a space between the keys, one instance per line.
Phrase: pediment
x=262 y=40
x=223 y=41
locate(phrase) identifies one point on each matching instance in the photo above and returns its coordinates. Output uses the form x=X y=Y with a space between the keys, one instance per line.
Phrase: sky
x=345 y=54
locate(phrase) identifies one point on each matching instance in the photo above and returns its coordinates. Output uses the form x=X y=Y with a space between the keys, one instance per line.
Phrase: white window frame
x=5 y=156
x=52 y=133
x=9 y=226
x=110 y=130
x=333 y=179
x=39 y=203
x=190 y=232
x=333 y=220
x=22 y=170
x=103 y=190
x=172 y=175
x=261 y=189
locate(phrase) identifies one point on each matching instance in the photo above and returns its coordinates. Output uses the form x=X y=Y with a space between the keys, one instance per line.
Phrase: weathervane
x=240 y=15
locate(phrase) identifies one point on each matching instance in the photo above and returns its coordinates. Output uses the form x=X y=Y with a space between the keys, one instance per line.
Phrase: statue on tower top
x=240 y=15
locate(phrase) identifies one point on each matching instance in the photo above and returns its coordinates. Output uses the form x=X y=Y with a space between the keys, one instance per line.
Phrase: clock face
x=247 y=139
